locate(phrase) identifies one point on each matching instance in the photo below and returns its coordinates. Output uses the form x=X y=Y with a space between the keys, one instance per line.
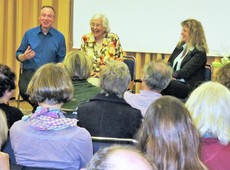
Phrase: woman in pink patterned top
x=100 y=44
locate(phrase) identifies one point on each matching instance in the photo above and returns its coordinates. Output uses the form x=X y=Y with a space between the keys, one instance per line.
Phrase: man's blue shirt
x=48 y=48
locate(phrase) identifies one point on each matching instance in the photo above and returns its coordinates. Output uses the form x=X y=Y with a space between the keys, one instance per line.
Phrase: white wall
x=154 y=25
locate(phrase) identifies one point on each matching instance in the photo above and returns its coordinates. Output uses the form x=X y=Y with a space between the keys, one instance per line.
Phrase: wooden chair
x=130 y=61
x=19 y=97
x=70 y=113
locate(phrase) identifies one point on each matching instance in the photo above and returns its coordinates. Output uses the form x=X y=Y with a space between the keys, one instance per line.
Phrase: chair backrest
x=35 y=168
x=130 y=61
x=70 y=113
x=18 y=97
x=208 y=72
x=99 y=142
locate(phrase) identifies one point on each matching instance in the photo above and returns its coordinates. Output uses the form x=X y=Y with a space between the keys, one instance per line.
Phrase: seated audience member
x=209 y=106
x=168 y=137
x=108 y=114
x=4 y=157
x=46 y=138
x=223 y=75
x=7 y=81
x=188 y=60
x=157 y=75
x=79 y=67
x=119 y=157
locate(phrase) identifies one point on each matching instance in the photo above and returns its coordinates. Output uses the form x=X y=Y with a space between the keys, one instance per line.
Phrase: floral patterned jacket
x=110 y=49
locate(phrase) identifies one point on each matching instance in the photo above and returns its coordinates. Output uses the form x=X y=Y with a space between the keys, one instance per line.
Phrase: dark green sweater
x=83 y=91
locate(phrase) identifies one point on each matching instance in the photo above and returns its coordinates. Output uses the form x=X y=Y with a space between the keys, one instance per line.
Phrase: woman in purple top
x=48 y=139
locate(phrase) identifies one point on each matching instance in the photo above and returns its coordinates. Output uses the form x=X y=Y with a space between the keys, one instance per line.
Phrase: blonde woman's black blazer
x=192 y=66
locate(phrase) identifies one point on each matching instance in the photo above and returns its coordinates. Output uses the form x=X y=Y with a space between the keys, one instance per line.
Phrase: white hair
x=105 y=21
x=209 y=106
x=115 y=78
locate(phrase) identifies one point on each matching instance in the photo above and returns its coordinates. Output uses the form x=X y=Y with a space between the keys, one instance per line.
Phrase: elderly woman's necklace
x=98 y=49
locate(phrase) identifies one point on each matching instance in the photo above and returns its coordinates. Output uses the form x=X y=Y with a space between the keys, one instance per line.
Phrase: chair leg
x=131 y=86
x=18 y=100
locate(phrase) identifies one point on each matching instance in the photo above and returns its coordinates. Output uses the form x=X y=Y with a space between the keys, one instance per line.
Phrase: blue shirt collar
x=39 y=30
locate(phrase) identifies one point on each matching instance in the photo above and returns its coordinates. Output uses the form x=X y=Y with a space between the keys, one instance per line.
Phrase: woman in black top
x=188 y=60
x=7 y=86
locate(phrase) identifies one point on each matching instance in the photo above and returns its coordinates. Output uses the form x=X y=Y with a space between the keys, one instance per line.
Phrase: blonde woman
x=188 y=60
x=79 y=67
x=209 y=106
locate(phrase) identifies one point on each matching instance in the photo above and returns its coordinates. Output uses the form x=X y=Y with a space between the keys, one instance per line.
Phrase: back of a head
x=3 y=128
x=7 y=79
x=50 y=84
x=115 y=78
x=209 y=107
x=223 y=75
x=157 y=75
x=78 y=65
x=168 y=136
x=119 y=157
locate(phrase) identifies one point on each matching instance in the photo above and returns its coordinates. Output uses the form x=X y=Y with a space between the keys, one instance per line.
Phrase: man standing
x=40 y=45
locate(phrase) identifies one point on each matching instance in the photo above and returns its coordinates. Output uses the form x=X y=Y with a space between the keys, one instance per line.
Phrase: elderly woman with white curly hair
x=101 y=44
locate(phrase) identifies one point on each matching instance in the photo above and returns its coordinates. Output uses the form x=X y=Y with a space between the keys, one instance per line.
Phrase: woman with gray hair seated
x=108 y=114
x=101 y=44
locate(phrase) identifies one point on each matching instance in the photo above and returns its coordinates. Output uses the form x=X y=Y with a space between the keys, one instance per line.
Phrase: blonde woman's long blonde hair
x=196 y=35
